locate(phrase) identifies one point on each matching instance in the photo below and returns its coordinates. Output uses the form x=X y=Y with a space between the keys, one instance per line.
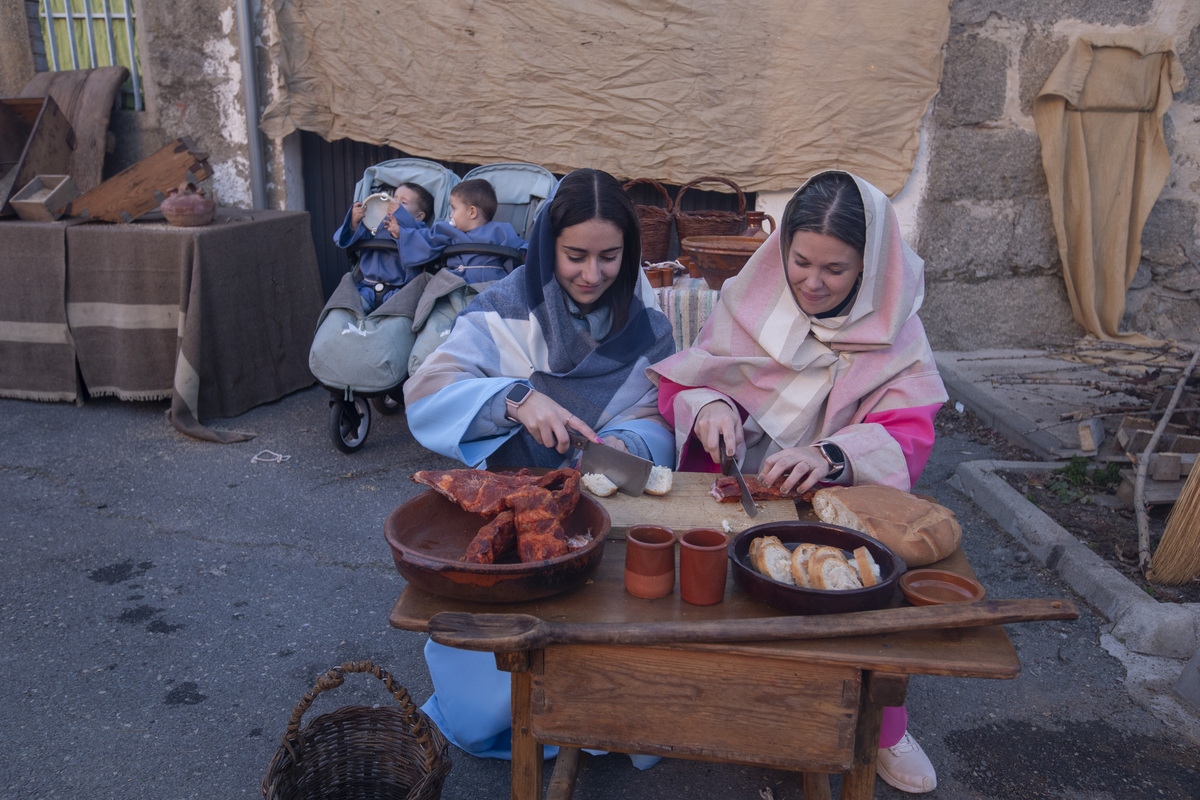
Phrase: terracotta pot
x=649 y=561
x=754 y=225
x=703 y=565
x=188 y=206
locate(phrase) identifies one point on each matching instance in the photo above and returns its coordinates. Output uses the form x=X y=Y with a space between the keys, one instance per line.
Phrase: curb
x=1143 y=624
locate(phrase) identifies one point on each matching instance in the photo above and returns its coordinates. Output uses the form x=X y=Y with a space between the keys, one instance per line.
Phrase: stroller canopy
x=433 y=176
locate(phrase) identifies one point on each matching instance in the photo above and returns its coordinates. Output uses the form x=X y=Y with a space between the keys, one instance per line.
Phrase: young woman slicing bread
x=814 y=367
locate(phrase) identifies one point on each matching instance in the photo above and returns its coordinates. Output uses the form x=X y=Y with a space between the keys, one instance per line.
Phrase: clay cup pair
x=650 y=563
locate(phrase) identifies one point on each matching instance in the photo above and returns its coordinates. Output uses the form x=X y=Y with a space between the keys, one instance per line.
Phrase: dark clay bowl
x=718 y=258
x=797 y=599
x=428 y=534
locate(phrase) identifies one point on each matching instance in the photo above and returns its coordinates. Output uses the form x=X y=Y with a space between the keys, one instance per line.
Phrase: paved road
x=166 y=602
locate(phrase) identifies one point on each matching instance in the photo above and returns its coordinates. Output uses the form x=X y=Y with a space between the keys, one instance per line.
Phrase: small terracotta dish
x=932 y=587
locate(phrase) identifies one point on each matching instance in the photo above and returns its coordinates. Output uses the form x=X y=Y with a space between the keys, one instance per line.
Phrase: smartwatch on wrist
x=834 y=457
x=517 y=394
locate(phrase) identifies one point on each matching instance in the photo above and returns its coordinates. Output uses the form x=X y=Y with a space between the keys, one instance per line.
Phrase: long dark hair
x=588 y=194
x=831 y=205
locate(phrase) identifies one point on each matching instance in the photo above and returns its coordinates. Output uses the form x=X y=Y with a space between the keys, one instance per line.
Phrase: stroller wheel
x=349 y=424
x=390 y=403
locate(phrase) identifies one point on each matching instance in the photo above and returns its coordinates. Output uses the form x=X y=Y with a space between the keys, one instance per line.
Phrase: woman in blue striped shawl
x=577 y=324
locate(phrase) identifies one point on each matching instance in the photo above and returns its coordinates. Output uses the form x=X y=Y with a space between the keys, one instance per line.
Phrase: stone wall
x=983 y=225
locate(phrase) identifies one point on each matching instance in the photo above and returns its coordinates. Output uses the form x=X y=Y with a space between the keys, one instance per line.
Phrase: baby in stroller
x=384 y=270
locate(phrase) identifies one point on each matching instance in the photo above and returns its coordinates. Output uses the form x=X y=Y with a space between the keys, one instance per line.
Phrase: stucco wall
x=994 y=278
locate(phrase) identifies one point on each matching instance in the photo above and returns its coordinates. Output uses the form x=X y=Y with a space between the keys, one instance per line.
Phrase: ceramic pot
x=188 y=206
x=703 y=565
x=649 y=561
x=754 y=224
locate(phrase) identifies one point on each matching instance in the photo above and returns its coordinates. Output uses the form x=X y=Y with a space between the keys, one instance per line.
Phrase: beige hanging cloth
x=1099 y=118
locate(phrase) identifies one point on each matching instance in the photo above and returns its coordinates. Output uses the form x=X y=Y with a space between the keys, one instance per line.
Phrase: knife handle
x=577 y=440
x=726 y=461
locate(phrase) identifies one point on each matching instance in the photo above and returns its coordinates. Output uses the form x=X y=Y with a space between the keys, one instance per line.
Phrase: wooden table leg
x=879 y=689
x=816 y=786
x=566 y=769
x=527 y=752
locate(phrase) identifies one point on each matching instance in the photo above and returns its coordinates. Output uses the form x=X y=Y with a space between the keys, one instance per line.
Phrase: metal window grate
x=85 y=34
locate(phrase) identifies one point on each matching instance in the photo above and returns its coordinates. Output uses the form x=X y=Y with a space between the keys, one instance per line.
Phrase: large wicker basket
x=655 y=222
x=709 y=222
x=359 y=752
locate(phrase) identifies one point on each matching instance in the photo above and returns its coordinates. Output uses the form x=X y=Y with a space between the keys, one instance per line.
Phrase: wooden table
x=814 y=706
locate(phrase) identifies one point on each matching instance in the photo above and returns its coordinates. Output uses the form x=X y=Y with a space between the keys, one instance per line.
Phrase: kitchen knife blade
x=730 y=467
x=627 y=471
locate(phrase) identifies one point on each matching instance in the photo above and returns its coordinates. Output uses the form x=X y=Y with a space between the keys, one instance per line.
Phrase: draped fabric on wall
x=1099 y=118
x=765 y=92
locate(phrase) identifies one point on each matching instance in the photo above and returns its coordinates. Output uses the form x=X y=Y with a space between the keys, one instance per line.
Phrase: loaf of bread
x=916 y=529
x=771 y=558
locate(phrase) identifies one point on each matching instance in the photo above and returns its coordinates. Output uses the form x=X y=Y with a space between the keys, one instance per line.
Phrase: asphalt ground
x=166 y=603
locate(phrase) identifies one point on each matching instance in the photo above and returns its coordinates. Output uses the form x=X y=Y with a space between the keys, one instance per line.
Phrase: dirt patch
x=1083 y=501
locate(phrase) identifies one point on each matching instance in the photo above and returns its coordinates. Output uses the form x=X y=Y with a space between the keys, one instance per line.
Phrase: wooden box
x=44 y=198
x=35 y=139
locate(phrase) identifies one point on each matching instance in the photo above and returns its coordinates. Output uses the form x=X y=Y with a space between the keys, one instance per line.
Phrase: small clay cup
x=649 y=561
x=703 y=565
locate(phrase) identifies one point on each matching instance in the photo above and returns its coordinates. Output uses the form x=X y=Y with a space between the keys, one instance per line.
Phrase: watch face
x=517 y=393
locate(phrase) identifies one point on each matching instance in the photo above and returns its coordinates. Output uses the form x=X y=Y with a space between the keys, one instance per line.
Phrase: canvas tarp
x=763 y=92
x=1099 y=118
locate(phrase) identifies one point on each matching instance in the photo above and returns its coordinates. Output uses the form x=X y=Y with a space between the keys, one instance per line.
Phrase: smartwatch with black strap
x=834 y=457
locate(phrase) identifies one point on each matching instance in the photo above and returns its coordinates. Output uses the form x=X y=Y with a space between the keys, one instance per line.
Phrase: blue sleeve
x=345 y=236
x=650 y=439
x=418 y=243
x=447 y=421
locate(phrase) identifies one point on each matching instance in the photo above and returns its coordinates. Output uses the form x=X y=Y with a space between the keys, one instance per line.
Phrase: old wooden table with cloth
x=218 y=318
x=810 y=705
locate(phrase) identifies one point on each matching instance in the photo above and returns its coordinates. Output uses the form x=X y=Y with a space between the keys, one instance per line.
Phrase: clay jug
x=188 y=206
x=754 y=225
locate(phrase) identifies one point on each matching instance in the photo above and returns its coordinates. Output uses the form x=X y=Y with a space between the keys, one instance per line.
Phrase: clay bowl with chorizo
x=429 y=534
x=778 y=593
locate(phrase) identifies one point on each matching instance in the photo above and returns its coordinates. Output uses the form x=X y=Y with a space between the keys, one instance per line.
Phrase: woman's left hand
x=805 y=464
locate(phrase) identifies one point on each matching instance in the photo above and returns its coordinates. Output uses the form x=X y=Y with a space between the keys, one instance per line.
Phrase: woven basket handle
x=335 y=678
x=661 y=190
x=713 y=179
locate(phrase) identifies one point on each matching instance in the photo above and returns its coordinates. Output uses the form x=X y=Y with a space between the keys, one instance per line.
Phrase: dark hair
x=479 y=193
x=831 y=205
x=588 y=194
x=424 y=199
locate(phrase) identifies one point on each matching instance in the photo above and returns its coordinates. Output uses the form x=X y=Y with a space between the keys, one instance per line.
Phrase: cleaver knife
x=627 y=471
x=730 y=467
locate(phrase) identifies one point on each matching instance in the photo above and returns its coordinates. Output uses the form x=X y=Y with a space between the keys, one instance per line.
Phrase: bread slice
x=660 y=480
x=868 y=570
x=771 y=558
x=829 y=569
x=800 y=557
x=598 y=484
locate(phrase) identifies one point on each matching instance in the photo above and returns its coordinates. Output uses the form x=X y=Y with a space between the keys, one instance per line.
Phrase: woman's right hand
x=714 y=420
x=357 y=212
x=547 y=422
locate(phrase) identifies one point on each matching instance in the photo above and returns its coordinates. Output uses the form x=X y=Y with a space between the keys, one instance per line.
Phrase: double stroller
x=363 y=358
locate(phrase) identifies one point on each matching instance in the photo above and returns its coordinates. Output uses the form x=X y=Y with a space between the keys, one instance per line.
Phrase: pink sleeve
x=693 y=458
x=912 y=428
x=667 y=389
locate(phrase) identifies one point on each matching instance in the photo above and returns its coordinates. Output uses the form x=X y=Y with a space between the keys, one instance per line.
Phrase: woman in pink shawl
x=814 y=367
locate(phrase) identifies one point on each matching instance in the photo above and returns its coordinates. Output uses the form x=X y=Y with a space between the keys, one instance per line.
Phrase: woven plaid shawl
x=801 y=379
x=520 y=328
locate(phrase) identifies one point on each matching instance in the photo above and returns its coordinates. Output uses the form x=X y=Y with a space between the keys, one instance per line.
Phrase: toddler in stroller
x=382 y=270
x=361 y=349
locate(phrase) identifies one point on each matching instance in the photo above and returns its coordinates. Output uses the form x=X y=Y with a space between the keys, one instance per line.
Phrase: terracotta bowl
x=797 y=599
x=931 y=587
x=717 y=258
x=429 y=533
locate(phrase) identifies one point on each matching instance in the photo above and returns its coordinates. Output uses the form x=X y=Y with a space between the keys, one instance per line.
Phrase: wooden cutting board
x=690 y=505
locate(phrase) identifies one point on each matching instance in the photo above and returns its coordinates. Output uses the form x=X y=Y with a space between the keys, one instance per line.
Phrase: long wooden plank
x=140 y=188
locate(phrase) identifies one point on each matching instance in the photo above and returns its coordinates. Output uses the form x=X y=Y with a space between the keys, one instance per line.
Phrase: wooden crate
x=35 y=139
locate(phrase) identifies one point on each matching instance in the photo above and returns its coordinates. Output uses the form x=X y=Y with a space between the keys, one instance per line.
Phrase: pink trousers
x=895 y=722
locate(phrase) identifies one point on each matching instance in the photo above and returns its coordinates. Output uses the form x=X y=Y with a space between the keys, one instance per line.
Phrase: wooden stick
x=1139 y=484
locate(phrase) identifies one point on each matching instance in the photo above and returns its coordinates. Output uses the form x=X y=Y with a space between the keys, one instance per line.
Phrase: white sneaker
x=905 y=766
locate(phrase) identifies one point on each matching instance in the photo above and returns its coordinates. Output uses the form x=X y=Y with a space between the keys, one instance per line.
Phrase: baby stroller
x=365 y=357
x=361 y=357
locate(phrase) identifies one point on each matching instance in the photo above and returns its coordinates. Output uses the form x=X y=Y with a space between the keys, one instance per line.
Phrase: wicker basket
x=709 y=222
x=359 y=752
x=655 y=222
